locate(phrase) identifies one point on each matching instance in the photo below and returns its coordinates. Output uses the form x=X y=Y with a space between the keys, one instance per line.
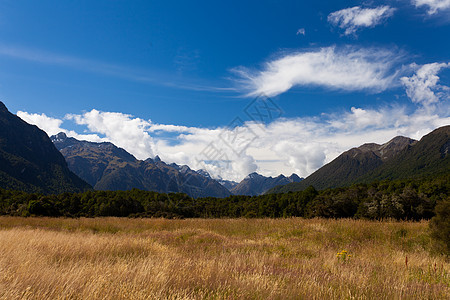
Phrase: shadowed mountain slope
x=30 y=162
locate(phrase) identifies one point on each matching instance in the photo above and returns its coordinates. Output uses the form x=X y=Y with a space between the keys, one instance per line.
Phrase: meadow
x=292 y=258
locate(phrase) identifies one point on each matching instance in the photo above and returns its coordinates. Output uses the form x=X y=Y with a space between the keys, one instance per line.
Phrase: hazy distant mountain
x=400 y=158
x=107 y=167
x=256 y=184
x=30 y=162
x=228 y=184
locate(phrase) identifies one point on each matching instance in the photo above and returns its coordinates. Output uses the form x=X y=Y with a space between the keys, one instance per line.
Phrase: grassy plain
x=119 y=258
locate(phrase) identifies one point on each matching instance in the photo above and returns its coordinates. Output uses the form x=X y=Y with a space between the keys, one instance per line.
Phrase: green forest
x=400 y=199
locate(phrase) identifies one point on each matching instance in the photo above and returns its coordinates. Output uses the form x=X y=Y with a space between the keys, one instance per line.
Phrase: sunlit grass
x=114 y=258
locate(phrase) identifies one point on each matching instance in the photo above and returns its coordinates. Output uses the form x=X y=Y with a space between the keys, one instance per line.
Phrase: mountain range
x=107 y=167
x=30 y=162
x=400 y=158
x=256 y=184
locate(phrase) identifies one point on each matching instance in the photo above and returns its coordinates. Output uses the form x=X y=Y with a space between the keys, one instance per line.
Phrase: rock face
x=400 y=158
x=107 y=167
x=256 y=184
x=30 y=162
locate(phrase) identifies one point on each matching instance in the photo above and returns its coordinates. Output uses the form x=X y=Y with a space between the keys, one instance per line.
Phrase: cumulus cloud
x=433 y=5
x=353 y=18
x=423 y=86
x=123 y=130
x=346 y=68
x=52 y=126
x=299 y=145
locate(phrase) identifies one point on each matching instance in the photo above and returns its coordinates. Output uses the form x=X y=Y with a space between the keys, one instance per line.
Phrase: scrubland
x=294 y=258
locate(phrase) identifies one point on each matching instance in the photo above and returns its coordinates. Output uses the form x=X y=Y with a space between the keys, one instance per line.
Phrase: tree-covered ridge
x=401 y=199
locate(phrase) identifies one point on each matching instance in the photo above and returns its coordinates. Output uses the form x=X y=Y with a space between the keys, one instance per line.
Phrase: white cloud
x=123 y=130
x=433 y=5
x=346 y=68
x=301 y=31
x=423 y=86
x=299 y=145
x=50 y=125
x=353 y=18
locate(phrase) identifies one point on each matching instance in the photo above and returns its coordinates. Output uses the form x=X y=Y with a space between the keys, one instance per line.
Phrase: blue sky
x=168 y=77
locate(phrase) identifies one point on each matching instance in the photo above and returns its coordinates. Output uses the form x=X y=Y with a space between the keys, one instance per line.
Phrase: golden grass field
x=119 y=258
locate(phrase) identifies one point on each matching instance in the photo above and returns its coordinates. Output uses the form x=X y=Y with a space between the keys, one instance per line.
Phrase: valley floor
x=119 y=258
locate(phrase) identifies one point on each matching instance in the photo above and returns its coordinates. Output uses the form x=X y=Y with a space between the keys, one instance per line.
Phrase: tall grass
x=113 y=258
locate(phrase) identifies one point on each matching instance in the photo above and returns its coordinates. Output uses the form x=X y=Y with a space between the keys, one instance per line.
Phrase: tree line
x=400 y=199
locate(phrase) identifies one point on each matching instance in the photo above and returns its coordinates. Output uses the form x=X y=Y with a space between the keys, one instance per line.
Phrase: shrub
x=440 y=225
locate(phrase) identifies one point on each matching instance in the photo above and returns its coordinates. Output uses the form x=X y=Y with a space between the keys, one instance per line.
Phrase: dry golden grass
x=113 y=258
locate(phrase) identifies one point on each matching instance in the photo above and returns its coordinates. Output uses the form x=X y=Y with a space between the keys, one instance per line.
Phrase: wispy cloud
x=301 y=31
x=344 y=68
x=354 y=18
x=108 y=69
x=299 y=145
x=433 y=6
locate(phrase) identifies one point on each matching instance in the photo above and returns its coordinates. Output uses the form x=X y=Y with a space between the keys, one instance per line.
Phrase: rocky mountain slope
x=107 y=167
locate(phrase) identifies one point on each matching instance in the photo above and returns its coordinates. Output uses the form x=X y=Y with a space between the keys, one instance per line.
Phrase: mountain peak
x=257 y=184
x=394 y=146
x=157 y=158
x=203 y=172
x=399 y=140
x=253 y=176
x=295 y=178
x=59 y=137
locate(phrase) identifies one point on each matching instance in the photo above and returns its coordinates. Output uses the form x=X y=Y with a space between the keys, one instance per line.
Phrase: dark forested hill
x=107 y=167
x=30 y=162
